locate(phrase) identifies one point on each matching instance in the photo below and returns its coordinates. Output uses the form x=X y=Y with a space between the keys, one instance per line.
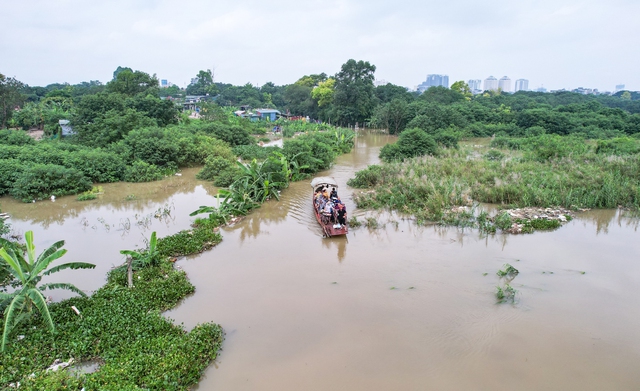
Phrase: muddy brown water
x=400 y=307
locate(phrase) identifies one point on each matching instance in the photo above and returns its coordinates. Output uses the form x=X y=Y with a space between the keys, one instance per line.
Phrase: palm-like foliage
x=28 y=272
x=256 y=184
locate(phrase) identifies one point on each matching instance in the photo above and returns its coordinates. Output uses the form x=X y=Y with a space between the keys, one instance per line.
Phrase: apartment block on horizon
x=522 y=85
x=434 y=81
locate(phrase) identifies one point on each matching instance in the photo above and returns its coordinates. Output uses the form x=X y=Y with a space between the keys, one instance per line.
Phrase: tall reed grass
x=427 y=187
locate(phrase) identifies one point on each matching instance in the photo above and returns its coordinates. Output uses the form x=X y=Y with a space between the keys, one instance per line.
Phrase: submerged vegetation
x=574 y=176
x=120 y=325
x=506 y=292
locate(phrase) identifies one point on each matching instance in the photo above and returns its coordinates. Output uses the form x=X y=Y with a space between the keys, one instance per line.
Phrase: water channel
x=399 y=307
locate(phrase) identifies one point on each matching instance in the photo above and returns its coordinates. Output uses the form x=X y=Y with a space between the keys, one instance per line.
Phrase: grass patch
x=570 y=176
x=186 y=242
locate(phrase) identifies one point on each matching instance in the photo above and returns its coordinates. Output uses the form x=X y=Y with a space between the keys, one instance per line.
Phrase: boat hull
x=327 y=226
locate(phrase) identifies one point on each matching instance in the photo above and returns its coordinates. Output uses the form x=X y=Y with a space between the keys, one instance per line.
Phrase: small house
x=67 y=130
x=267 y=114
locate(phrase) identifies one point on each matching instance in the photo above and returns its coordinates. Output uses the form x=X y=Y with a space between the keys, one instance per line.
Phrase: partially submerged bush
x=140 y=171
x=41 y=181
x=411 y=143
x=90 y=194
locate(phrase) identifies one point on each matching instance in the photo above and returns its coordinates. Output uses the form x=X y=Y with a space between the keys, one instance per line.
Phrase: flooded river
x=396 y=308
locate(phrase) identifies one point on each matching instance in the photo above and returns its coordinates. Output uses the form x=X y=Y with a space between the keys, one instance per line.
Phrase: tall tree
x=354 y=96
x=388 y=92
x=120 y=69
x=10 y=97
x=462 y=88
x=132 y=83
x=203 y=84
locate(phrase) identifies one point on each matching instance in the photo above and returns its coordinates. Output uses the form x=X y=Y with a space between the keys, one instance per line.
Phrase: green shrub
x=227 y=176
x=369 y=177
x=552 y=146
x=618 y=146
x=141 y=171
x=90 y=194
x=212 y=167
x=494 y=155
x=503 y=221
x=232 y=134
x=446 y=139
x=250 y=152
x=10 y=170
x=411 y=143
x=98 y=165
x=15 y=137
x=41 y=181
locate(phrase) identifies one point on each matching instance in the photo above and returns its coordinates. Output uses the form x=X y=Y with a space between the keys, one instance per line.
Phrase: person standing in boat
x=341 y=212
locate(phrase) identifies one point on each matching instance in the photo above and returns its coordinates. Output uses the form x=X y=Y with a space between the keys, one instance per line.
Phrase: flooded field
x=399 y=307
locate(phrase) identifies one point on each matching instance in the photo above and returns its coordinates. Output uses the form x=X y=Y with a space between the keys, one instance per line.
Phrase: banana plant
x=141 y=258
x=19 y=305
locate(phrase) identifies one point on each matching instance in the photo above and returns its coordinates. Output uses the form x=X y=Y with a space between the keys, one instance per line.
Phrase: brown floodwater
x=399 y=307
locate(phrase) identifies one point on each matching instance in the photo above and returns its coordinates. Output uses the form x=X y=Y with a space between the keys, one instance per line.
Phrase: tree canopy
x=354 y=96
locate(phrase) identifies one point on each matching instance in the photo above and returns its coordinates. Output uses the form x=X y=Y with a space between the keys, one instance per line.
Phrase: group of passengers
x=330 y=207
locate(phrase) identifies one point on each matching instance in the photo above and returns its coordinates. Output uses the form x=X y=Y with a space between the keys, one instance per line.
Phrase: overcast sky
x=552 y=43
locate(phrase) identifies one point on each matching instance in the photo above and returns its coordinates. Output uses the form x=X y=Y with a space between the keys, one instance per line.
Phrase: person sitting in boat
x=325 y=192
x=327 y=212
x=334 y=193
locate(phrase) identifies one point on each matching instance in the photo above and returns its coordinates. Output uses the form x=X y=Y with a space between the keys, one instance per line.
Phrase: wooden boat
x=333 y=224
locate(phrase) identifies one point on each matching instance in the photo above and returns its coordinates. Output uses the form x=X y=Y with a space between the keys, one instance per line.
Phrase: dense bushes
x=143 y=155
x=10 y=170
x=15 y=137
x=411 y=143
x=141 y=171
x=232 y=134
x=520 y=114
x=618 y=146
x=39 y=181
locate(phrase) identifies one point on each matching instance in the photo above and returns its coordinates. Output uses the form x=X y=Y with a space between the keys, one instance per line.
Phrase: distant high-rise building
x=491 y=84
x=504 y=84
x=619 y=87
x=381 y=82
x=434 y=81
x=541 y=89
x=522 y=85
x=474 y=85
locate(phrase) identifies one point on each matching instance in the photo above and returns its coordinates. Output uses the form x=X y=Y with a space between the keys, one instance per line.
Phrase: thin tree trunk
x=130 y=272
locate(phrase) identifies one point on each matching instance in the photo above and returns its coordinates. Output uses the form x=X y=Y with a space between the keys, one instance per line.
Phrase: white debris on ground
x=58 y=364
x=531 y=213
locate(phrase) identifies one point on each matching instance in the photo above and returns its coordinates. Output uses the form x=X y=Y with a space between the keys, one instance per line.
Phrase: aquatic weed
x=354 y=222
x=371 y=223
